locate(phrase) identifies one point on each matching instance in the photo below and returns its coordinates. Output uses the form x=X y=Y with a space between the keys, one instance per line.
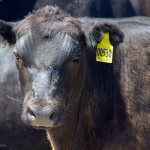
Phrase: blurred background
x=14 y=135
x=13 y=10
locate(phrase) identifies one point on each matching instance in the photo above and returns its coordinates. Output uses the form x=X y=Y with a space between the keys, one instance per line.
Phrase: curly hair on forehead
x=49 y=11
x=48 y=21
x=44 y=15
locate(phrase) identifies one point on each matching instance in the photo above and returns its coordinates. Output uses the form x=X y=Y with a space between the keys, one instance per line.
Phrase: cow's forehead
x=42 y=51
x=47 y=37
x=48 y=22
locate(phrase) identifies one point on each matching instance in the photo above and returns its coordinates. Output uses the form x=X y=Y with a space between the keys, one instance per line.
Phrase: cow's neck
x=89 y=126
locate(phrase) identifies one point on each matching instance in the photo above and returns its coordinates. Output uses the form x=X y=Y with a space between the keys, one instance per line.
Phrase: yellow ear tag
x=104 y=52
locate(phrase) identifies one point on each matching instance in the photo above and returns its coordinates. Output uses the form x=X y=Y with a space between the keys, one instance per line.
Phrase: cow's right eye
x=17 y=57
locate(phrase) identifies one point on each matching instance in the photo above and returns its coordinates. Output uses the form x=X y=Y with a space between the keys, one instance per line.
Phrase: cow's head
x=49 y=51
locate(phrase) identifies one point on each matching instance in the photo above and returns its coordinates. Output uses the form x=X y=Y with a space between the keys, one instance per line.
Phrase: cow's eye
x=17 y=57
x=77 y=58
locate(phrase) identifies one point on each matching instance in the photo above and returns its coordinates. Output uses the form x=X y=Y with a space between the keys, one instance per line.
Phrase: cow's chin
x=47 y=127
x=41 y=127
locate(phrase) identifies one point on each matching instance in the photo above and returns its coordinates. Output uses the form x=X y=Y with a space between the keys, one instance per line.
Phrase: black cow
x=82 y=103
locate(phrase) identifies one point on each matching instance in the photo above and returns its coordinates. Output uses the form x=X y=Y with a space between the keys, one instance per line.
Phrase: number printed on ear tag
x=4 y=45
x=104 y=52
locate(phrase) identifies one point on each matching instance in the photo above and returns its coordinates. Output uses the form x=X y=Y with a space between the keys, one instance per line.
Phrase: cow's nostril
x=53 y=116
x=31 y=114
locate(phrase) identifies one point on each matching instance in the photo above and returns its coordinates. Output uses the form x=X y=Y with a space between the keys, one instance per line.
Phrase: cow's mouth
x=41 y=127
x=48 y=127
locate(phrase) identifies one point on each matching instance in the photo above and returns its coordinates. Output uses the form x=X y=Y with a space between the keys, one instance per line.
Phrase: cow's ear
x=7 y=31
x=95 y=34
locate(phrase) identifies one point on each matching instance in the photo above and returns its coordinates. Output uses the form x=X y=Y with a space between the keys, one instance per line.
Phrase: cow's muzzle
x=43 y=114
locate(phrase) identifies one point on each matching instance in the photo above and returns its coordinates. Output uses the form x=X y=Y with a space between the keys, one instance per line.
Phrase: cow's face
x=50 y=59
x=51 y=70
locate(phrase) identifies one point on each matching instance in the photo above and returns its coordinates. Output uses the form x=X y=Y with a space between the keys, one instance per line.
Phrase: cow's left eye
x=77 y=58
